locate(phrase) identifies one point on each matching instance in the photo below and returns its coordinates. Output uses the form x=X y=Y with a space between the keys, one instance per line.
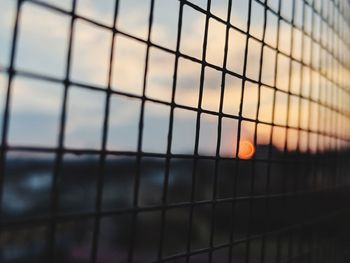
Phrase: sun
x=246 y=150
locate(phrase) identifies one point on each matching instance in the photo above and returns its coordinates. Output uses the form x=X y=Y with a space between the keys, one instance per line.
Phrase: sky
x=42 y=49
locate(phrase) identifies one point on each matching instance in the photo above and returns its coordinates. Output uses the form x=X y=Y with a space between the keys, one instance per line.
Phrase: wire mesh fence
x=175 y=131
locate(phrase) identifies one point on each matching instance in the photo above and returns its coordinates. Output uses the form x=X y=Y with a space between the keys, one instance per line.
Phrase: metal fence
x=204 y=170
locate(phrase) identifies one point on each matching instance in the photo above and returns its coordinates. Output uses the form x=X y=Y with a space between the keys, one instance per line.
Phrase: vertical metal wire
x=233 y=214
x=268 y=211
x=6 y=114
x=198 y=123
x=139 y=141
x=101 y=176
x=170 y=135
x=219 y=132
x=61 y=136
x=251 y=201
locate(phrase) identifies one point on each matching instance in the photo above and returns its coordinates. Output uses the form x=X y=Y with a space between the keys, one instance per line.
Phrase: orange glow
x=246 y=150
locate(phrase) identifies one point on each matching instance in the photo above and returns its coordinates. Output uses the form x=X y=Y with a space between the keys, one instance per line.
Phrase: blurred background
x=174 y=130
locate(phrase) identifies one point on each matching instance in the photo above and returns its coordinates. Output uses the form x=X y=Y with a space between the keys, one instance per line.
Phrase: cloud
x=42 y=48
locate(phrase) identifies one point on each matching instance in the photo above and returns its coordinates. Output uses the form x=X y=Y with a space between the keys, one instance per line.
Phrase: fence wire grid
x=175 y=131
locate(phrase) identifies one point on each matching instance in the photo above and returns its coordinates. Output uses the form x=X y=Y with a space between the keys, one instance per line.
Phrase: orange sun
x=246 y=150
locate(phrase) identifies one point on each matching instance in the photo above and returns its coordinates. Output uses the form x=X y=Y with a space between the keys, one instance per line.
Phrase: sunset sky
x=42 y=49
